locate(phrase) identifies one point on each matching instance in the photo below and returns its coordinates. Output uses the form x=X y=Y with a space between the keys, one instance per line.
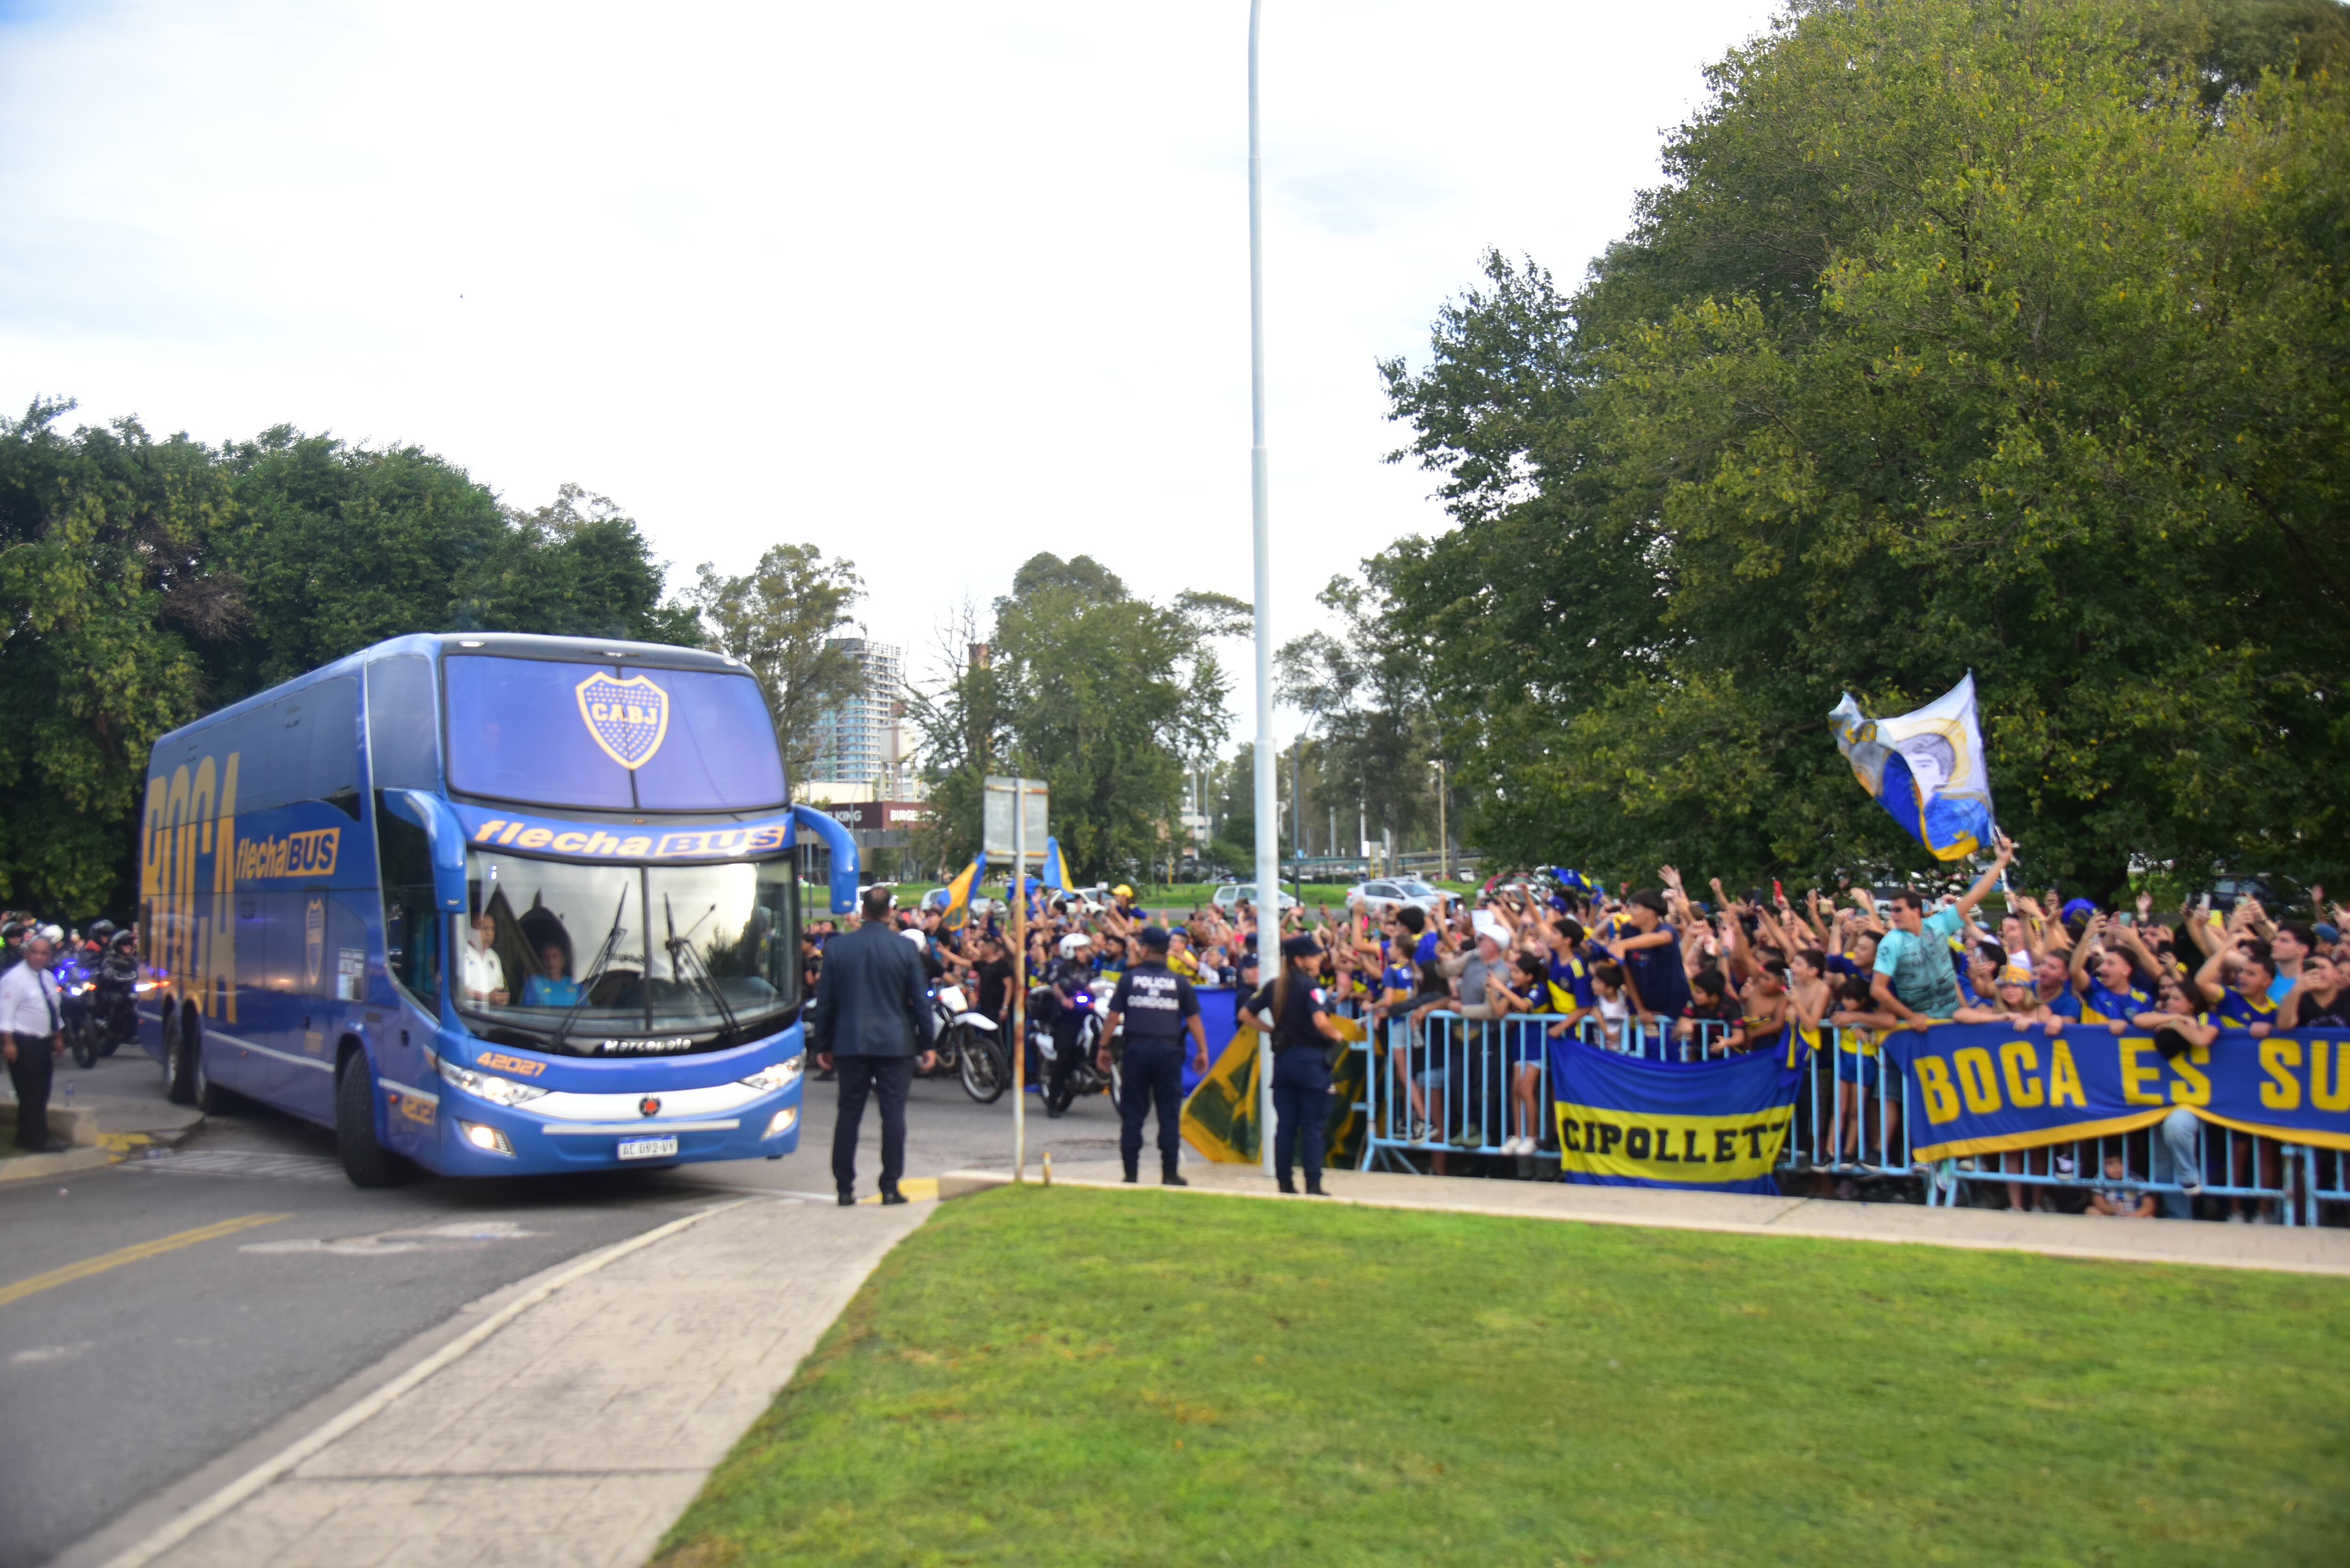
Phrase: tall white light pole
x=1268 y=820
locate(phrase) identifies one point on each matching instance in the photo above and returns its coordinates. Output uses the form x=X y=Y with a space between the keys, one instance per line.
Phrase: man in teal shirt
x=1915 y=979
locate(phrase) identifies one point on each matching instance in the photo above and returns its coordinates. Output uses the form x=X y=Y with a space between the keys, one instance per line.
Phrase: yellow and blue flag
x=1926 y=768
x=1714 y=1126
x=1055 y=874
x=958 y=892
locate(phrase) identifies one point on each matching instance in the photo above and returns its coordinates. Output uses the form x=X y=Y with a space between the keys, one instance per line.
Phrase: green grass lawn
x=1066 y=1377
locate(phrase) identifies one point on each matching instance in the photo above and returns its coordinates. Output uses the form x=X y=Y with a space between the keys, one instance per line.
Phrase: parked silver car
x=1231 y=894
x=1383 y=895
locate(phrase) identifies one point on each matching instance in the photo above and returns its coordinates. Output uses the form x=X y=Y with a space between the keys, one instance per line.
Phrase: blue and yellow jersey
x=1400 y=978
x=1858 y=1040
x=2100 y=1005
x=1570 y=986
x=2241 y=1011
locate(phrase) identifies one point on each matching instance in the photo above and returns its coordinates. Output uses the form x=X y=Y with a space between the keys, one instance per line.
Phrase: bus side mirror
x=444 y=832
x=836 y=838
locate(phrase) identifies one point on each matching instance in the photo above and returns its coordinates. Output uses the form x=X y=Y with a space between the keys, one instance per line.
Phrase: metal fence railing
x=1449 y=1089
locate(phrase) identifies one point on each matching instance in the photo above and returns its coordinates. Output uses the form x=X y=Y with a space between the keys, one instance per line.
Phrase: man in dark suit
x=871 y=1019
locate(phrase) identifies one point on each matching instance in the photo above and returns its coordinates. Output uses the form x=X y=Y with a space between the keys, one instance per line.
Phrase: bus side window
x=411 y=927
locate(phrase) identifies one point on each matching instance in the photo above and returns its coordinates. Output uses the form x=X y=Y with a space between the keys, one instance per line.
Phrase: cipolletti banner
x=1979 y=1088
x=1715 y=1126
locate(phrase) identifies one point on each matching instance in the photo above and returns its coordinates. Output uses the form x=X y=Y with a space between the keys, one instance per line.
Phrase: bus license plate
x=647 y=1147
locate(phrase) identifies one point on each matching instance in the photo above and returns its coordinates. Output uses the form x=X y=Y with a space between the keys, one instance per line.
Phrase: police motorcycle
x=967 y=1046
x=1045 y=1006
x=98 y=986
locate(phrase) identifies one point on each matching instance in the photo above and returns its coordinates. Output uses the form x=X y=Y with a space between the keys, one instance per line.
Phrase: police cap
x=1301 y=946
x=1153 y=937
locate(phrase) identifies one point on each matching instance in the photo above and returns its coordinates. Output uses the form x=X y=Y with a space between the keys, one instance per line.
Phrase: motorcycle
x=967 y=1046
x=1084 y=1076
x=98 y=1005
x=77 y=1008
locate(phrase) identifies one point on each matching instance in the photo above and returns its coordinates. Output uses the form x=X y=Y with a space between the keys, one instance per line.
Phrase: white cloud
x=934 y=285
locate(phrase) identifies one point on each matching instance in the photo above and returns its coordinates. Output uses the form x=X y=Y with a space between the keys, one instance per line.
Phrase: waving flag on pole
x=1055 y=874
x=958 y=892
x=1926 y=768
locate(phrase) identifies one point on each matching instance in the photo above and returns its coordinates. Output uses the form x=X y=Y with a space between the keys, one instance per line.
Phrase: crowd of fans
x=1662 y=971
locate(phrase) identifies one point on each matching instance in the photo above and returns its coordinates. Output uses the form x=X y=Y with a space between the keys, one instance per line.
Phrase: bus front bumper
x=480 y=1139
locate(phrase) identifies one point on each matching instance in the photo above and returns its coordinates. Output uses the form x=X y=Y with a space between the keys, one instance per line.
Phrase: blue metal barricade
x=1443 y=1085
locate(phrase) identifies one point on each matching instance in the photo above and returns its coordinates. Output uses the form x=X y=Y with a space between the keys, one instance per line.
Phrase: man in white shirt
x=32 y=1041
x=481 y=979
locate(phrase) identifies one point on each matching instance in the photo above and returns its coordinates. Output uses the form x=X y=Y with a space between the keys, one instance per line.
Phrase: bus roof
x=492 y=644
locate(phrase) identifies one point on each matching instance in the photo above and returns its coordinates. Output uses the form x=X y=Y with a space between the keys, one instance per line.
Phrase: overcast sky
x=932 y=286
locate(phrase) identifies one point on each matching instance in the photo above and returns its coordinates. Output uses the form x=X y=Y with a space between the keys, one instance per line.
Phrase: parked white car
x=1232 y=894
x=1384 y=895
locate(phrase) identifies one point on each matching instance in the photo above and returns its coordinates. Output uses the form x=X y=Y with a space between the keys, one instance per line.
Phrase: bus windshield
x=625 y=960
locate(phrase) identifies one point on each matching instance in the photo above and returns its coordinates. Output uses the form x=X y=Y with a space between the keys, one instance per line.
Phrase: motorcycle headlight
x=488 y=1086
x=777 y=1076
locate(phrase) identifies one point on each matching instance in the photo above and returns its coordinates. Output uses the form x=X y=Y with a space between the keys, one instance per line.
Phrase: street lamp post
x=1268 y=852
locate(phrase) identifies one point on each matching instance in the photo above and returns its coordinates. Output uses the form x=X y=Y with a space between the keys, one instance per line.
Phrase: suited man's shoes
x=893 y=1197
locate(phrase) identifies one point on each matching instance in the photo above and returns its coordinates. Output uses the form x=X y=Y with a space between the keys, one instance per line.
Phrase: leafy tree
x=1104 y=695
x=2008 y=337
x=1364 y=689
x=109 y=597
x=146 y=583
x=780 y=619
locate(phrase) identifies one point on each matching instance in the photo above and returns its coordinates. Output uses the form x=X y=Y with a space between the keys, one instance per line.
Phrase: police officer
x=1065 y=995
x=1295 y=1013
x=1154 y=1006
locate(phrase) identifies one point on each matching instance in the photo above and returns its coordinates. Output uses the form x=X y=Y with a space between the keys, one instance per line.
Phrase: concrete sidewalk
x=2300 y=1251
x=574 y=1425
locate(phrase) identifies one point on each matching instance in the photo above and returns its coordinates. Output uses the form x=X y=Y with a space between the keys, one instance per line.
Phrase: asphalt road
x=120 y=1383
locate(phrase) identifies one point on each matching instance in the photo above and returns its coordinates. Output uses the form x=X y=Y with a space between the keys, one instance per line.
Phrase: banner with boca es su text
x=1980 y=1088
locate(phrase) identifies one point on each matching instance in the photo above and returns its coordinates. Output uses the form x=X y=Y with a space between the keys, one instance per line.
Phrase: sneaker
x=2190 y=1182
x=2065 y=1165
x=1470 y=1137
x=1422 y=1132
x=2236 y=1217
x=2271 y=1216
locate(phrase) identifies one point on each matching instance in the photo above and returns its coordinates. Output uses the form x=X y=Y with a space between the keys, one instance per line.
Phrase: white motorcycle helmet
x=1075 y=944
x=912 y=934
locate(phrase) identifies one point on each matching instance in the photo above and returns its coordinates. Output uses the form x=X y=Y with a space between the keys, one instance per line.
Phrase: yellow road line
x=115 y=1259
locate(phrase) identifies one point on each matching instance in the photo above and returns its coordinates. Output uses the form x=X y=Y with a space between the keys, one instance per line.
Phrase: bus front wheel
x=179 y=1047
x=365 y=1160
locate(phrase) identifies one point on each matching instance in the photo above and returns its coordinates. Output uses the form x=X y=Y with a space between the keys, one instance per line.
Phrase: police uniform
x=1300 y=1073
x=1155 y=1007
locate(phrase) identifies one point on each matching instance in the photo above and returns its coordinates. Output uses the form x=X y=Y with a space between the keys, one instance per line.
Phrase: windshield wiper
x=684 y=944
x=595 y=971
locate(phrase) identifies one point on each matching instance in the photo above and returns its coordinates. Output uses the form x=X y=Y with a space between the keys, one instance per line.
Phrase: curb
x=962 y=1183
x=30 y=1166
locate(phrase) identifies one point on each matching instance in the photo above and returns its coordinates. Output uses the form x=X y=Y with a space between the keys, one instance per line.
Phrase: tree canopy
x=145 y=583
x=1105 y=696
x=2004 y=336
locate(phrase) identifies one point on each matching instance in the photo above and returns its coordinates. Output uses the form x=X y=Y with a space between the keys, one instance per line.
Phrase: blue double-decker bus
x=488 y=904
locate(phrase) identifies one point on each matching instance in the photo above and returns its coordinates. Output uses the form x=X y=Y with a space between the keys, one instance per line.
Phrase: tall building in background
x=862 y=741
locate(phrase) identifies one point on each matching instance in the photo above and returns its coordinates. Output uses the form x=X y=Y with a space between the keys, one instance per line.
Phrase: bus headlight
x=782 y=1123
x=782 y=1074
x=489 y=1141
x=487 y=1087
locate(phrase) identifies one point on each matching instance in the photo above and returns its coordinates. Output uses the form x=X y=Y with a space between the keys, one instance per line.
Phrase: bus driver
x=483 y=978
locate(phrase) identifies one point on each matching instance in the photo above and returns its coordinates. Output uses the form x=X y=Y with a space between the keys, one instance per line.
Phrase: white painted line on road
x=462 y=1237
x=261 y=1475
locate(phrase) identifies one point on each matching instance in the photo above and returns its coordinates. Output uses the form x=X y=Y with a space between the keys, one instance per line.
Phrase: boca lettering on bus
x=309 y=854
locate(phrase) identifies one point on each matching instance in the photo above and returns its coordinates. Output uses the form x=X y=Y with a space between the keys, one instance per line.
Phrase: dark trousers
x=1152 y=1074
x=1068 y=1023
x=30 y=1072
x=1301 y=1108
x=886 y=1079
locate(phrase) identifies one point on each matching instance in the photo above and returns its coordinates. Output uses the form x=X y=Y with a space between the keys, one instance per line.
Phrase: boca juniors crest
x=629 y=718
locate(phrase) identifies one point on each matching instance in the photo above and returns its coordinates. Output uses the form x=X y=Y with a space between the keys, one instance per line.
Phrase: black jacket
x=870 y=1000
